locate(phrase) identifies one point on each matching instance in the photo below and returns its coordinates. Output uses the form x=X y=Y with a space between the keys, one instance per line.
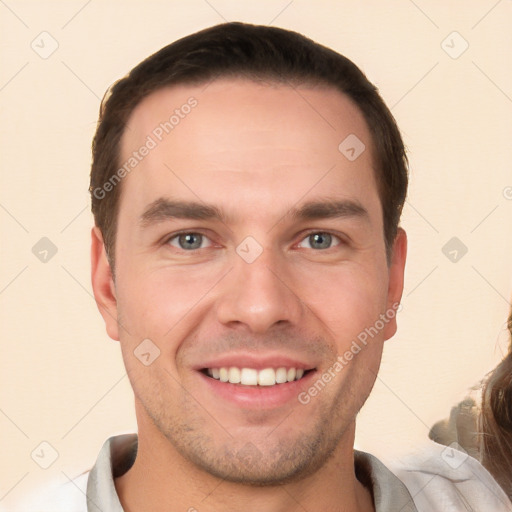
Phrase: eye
x=188 y=241
x=320 y=240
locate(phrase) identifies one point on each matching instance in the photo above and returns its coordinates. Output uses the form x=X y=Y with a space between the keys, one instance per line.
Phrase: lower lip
x=258 y=397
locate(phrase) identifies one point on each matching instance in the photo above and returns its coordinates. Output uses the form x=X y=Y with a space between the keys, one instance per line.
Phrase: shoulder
x=59 y=497
x=447 y=476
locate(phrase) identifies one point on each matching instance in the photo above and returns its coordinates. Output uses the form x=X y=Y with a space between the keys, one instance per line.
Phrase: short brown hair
x=256 y=52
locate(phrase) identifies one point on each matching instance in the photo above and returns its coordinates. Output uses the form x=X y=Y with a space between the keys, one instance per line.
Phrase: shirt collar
x=118 y=454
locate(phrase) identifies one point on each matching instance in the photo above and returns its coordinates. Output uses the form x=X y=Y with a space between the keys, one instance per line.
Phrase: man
x=247 y=185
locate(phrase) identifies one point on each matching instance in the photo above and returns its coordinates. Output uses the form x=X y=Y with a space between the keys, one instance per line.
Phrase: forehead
x=255 y=138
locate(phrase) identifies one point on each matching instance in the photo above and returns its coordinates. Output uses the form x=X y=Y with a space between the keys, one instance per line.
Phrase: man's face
x=272 y=284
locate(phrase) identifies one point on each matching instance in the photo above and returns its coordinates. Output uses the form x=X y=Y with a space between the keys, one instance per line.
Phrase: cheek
x=346 y=299
x=166 y=303
x=157 y=304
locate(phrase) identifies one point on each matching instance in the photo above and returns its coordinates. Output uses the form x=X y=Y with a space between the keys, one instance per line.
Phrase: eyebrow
x=166 y=209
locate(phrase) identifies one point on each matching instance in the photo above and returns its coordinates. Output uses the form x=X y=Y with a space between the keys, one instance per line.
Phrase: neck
x=161 y=479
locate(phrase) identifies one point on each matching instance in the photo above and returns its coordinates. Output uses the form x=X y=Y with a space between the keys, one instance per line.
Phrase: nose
x=259 y=295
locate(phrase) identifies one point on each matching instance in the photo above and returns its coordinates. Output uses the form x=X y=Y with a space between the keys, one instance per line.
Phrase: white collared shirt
x=433 y=480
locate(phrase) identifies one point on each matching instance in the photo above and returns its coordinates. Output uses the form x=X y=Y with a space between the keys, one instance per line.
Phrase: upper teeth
x=253 y=377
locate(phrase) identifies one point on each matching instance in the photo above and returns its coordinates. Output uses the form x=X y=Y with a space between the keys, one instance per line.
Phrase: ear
x=103 y=284
x=396 y=281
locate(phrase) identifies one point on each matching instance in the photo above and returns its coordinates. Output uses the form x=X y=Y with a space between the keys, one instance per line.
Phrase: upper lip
x=256 y=361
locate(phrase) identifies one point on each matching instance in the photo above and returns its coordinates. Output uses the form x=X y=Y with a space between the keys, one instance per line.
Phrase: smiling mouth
x=254 y=377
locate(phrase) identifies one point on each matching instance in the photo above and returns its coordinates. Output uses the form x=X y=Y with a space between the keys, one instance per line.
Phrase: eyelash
x=168 y=239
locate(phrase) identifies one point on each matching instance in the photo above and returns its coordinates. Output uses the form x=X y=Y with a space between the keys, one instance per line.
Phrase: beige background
x=62 y=378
